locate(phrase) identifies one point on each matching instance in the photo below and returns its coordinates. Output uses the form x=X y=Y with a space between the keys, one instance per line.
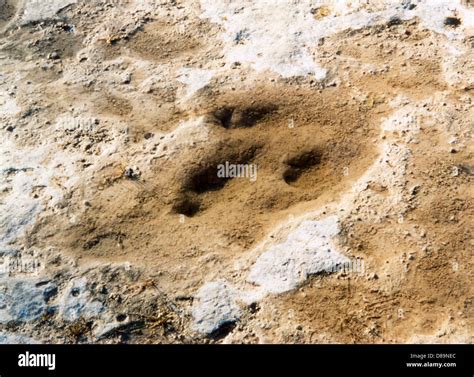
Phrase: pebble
x=54 y=55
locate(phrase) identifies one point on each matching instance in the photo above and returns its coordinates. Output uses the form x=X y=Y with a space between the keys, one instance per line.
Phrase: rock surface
x=216 y=307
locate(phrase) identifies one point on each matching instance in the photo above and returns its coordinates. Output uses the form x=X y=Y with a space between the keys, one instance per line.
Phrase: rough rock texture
x=307 y=251
x=34 y=10
x=22 y=300
x=216 y=307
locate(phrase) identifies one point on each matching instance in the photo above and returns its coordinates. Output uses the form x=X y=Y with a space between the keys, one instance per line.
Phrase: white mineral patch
x=21 y=299
x=307 y=250
x=216 y=306
x=187 y=133
x=277 y=35
x=8 y=105
x=78 y=302
x=434 y=13
x=270 y=35
x=24 y=170
x=38 y=10
x=388 y=170
x=195 y=79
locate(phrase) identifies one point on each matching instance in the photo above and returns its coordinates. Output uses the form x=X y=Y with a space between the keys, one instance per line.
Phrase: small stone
x=54 y=56
x=127 y=79
x=407 y=4
x=394 y=20
x=50 y=292
x=132 y=173
x=452 y=22
x=415 y=189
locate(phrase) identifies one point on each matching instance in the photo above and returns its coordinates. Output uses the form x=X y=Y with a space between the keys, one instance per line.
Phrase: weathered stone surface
x=216 y=306
x=6 y=338
x=36 y=10
x=77 y=302
x=308 y=250
x=22 y=300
